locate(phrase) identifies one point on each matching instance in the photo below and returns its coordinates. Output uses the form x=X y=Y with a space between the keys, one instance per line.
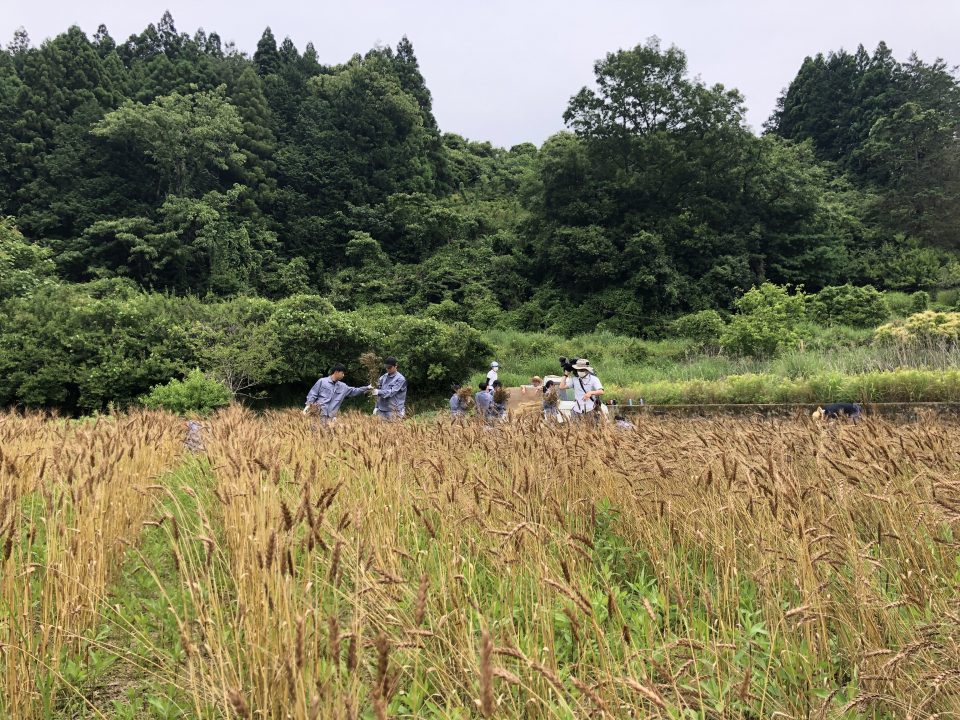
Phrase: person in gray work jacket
x=483 y=400
x=458 y=407
x=328 y=394
x=392 y=393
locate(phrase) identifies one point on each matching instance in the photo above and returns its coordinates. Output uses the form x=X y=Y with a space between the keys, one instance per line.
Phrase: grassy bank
x=895 y=386
x=831 y=364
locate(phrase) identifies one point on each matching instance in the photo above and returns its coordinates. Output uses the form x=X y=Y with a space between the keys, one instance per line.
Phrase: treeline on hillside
x=178 y=165
x=189 y=167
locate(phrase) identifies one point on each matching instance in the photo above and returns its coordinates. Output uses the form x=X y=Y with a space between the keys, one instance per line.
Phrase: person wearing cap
x=494 y=373
x=586 y=389
x=392 y=392
x=328 y=394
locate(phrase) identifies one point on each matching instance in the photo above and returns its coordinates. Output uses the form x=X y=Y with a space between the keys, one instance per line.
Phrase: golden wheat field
x=723 y=568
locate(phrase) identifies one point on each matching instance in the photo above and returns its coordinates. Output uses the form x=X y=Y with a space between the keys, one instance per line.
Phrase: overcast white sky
x=504 y=70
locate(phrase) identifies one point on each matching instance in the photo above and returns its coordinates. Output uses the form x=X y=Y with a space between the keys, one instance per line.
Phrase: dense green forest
x=171 y=191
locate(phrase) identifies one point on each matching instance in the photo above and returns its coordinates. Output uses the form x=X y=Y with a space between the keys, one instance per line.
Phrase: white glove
x=374 y=392
x=306 y=409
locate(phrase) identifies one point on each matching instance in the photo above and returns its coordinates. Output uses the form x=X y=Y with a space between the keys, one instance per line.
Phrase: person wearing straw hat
x=536 y=385
x=586 y=387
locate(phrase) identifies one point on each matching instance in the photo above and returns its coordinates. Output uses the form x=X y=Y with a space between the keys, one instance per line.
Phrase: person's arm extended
x=563 y=382
x=354 y=391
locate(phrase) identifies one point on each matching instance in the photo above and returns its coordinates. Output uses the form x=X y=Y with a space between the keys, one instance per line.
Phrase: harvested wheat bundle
x=501 y=395
x=374 y=366
x=551 y=398
x=465 y=394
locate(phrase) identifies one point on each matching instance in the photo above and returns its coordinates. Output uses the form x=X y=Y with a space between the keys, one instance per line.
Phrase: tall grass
x=670 y=370
x=711 y=568
x=904 y=385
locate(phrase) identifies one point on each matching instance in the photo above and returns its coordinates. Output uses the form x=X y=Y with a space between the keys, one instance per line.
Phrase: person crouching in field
x=391 y=394
x=838 y=410
x=551 y=402
x=328 y=394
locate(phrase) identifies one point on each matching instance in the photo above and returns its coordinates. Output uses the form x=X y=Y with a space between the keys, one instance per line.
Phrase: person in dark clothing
x=834 y=411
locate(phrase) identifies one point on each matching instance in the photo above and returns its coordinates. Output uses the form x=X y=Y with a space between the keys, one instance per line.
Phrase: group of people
x=490 y=401
x=328 y=393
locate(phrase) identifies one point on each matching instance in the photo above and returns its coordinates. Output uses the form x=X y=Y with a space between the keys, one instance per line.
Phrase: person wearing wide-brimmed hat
x=586 y=387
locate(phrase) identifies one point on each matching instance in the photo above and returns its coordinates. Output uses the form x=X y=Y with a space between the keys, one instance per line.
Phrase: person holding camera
x=586 y=386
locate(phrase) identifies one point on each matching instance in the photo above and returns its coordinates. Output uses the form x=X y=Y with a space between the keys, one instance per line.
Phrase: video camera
x=568 y=363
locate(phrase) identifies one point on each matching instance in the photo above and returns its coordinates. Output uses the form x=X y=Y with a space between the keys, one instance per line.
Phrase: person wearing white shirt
x=494 y=373
x=586 y=387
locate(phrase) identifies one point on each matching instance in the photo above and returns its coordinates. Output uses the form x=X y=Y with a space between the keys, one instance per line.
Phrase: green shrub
x=849 y=305
x=81 y=347
x=836 y=337
x=767 y=322
x=948 y=299
x=922 y=328
x=919 y=301
x=84 y=346
x=704 y=328
x=195 y=394
x=23 y=265
x=898 y=303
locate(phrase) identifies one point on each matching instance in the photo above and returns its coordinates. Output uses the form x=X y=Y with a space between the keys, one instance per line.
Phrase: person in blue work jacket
x=483 y=401
x=392 y=393
x=328 y=394
x=459 y=401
